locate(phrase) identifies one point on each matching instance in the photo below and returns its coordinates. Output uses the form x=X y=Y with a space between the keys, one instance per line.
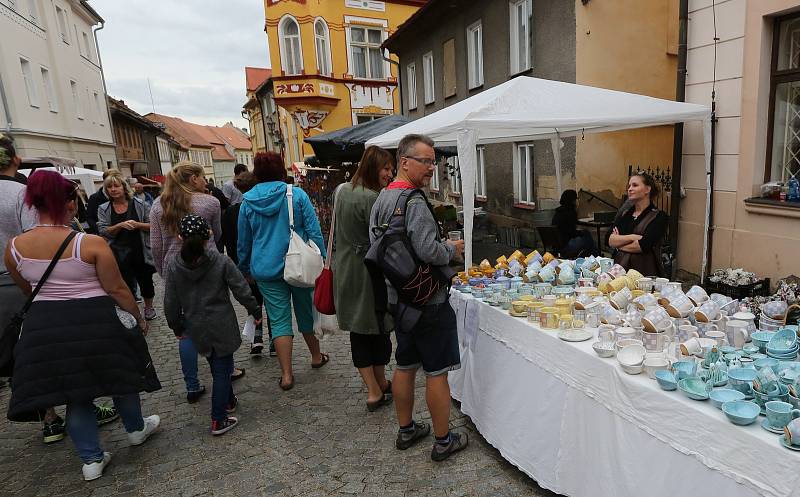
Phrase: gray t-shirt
x=232 y=193
x=15 y=216
x=422 y=229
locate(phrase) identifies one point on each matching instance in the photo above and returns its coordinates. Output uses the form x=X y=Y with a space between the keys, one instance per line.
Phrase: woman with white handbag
x=280 y=247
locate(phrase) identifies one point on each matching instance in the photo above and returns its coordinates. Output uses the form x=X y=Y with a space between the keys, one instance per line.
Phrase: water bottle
x=793 y=194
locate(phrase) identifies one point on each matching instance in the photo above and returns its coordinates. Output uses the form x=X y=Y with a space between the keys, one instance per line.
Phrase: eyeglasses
x=425 y=161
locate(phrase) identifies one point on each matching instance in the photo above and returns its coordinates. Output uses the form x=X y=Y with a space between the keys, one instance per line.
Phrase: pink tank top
x=72 y=278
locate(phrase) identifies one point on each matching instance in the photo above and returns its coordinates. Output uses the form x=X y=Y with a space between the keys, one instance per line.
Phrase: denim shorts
x=432 y=343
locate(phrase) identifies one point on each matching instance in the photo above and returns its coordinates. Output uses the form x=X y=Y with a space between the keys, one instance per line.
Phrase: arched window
x=323 y=44
x=291 y=49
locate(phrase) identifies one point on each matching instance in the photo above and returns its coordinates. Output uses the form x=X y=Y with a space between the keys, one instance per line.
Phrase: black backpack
x=392 y=256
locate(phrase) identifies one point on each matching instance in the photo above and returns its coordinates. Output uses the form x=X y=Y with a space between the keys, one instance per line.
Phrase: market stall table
x=580 y=426
x=597 y=225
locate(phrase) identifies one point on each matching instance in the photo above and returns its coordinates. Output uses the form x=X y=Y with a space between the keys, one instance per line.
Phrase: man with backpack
x=408 y=249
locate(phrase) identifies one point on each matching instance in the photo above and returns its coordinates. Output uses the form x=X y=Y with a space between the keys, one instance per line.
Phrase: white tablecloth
x=580 y=426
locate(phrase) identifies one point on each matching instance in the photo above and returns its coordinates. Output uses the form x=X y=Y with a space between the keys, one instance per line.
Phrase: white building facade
x=52 y=93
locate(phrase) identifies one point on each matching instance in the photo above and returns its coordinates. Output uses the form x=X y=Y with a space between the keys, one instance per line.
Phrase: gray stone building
x=450 y=50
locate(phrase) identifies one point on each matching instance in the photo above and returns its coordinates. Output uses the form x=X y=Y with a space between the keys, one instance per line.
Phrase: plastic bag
x=324 y=324
x=249 y=330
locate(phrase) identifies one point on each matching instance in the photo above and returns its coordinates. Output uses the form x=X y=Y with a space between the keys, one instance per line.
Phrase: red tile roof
x=184 y=132
x=255 y=76
x=234 y=136
x=197 y=135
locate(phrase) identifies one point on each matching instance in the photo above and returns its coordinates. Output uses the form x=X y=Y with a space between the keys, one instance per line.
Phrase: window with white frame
x=76 y=99
x=411 y=85
x=78 y=40
x=523 y=174
x=366 y=54
x=322 y=42
x=454 y=175
x=291 y=47
x=434 y=184
x=49 y=92
x=480 y=174
x=520 y=38
x=87 y=45
x=475 y=55
x=30 y=85
x=61 y=17
x=427 y=76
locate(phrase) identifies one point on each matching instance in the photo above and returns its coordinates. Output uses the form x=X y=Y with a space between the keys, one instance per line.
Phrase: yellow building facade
x=328 y=69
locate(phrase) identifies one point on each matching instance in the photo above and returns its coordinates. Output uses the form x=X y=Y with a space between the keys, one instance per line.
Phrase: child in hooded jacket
x=197 y=302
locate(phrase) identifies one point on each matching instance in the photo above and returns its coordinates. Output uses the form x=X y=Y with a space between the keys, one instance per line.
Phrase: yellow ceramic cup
x=618 y=284
x=547 y=257
x=519 y=306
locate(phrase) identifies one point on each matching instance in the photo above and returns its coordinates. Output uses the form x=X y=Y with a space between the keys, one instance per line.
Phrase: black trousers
x=137 y=271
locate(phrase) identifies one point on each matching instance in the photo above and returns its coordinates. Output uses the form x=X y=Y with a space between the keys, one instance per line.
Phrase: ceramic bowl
x=684 y=369
x=722 y=395
x=604 y=349
x=626 y=342
x=654 y=364
x=750 y=349
x=775 y=309
x=784 y=340
x=741 y=379
x=666 y=380
x=793 y=400
x=694 y=388
x=634 y=369
x=767 y=362
x=632 y=355
x=741 y=412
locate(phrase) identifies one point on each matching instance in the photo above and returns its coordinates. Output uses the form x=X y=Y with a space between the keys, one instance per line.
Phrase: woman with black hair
x=574 y=242
x=639 y=229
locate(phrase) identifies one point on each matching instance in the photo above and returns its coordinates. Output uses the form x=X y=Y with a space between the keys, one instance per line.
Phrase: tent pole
x=555 y=144
x=677 y=141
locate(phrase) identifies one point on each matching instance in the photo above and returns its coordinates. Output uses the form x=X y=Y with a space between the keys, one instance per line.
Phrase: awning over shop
x=525 y=109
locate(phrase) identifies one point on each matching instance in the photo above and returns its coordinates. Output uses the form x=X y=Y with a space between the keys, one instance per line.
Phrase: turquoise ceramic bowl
x=727 y=349
x=761 y=338
x=666 y=380
x=722 y=395
x=750 y=349
x=684 y=369
x=767 y=362
x=694 y=388
x=741 y=412
x=783 y=341
x=741 y=379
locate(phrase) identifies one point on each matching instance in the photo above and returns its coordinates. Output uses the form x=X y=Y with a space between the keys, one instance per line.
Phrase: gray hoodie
x=197 y=302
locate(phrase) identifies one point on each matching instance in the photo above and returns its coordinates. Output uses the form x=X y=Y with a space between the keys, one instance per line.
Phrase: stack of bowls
x=741 y=379
x=760 y=340
x=631 y=358
x=783 y=345
x=766 y=323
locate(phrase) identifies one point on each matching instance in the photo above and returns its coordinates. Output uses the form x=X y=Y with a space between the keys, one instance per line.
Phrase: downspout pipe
x=677 y=141
x=103 y=77
x=399 y=81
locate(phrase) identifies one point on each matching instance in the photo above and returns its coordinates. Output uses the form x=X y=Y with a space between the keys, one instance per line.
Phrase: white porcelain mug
x=692 y=346
x=736 y=332
x=620 y=299
x=646 y=301
x=679 y=305
x=655 y=342
x=697 y=294
x=659 y=284
x=792 y=432
x=687 y=331
x=656 y=319
x=717 y=336
x=708 y=311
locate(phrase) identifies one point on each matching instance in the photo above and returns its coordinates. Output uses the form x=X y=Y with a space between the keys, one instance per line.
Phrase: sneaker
x=256 y=348
x=105 y=414
x=53 y=432
x=272 y=351
x=139 y=299
x=150 y=425
x=221 y=427
x=94 y=470
x=458 y=441
x=150 y=313
x=194 y=396
x=231 y=407
x=409 y=438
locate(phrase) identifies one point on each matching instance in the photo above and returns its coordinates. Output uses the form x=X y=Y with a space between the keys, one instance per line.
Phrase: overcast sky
x=194 y=53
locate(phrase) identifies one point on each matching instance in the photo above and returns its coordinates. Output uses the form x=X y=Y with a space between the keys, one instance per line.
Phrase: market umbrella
x=347 y=144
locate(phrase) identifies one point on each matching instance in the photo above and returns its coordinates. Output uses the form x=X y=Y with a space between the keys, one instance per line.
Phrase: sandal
x=325 y=359
x=286 y=387
x=374 y=406
x=236 y=376
x=388 y=392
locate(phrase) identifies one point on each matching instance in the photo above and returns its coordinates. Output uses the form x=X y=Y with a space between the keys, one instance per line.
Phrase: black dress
x=651 y=224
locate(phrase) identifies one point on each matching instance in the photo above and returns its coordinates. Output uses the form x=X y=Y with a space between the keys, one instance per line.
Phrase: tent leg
x=555 y=144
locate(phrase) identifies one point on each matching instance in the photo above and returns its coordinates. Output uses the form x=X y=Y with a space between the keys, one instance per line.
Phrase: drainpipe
x=105 y=88
x=677 y=141
x=399 y=81
x=6 y=110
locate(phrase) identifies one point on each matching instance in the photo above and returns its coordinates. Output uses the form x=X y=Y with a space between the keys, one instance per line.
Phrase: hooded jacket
x=196 y=302
x=264 y=229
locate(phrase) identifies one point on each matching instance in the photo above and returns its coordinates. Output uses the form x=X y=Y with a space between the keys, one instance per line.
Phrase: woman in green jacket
x=353 y=294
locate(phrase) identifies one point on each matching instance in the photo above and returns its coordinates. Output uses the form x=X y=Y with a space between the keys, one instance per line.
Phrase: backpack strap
x=289 y=196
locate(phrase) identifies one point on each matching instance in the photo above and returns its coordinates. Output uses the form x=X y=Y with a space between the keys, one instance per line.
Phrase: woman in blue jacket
x=263 y=241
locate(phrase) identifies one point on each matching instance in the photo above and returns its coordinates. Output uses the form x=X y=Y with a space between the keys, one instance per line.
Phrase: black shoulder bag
x=13 y=329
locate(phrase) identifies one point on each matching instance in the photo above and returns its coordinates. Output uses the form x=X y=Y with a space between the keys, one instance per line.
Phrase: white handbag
x=303 y=262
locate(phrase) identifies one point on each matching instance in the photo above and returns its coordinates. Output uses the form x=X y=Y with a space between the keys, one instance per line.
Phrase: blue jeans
x=222 y=391
x=188 y=355
x=82 y=424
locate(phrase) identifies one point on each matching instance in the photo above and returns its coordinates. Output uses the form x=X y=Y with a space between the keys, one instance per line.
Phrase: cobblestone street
x=317 y=439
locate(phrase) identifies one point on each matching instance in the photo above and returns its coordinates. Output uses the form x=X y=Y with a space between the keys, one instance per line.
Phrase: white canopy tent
x=526 y=109
x=90 y=180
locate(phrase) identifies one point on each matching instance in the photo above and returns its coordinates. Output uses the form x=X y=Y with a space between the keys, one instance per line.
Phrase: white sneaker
x=93 y=471
x=150 y=425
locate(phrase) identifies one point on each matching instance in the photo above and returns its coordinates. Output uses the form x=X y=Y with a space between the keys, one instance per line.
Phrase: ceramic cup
x=547 y=274
x=620 y=298
x=697 y=294
x=687 y=331
x=780 y=413
x=542 y=289
x=792 y=432
x=584 y=282
x=679 y=305
x=616 y=271
x=692 y=346
x=737 y=332
x=617 y=284
x=645 y=285
x=684 y=369
x=655 y=342
x=718 y=336
x=659 y=283
x=646 y=301
x=656 y=319
x=708 y=311
x=566 y=277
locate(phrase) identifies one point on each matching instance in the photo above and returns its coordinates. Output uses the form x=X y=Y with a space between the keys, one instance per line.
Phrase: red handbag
x=323 y=287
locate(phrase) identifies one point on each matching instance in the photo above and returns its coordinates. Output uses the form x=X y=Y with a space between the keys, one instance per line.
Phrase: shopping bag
x=249 y=330
x=324 y=324
x=323 y=292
